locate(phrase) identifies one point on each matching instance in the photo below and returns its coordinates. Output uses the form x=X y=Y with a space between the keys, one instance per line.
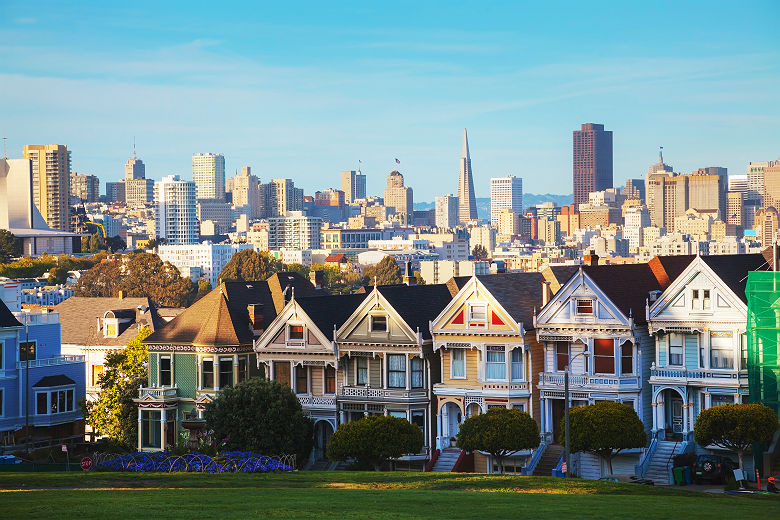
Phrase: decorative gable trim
x=375 y=302
x=275 y=336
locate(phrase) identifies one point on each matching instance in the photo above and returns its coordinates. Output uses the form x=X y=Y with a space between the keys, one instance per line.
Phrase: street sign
x=86 y=464
x=564 y=467
x=64 y=447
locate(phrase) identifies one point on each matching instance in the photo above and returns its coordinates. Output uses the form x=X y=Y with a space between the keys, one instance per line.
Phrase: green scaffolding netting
x=763 y=337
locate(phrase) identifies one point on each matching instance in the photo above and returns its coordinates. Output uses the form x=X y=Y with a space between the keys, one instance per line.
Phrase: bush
x=263 y=417
x=499 y=431
x=373 y=440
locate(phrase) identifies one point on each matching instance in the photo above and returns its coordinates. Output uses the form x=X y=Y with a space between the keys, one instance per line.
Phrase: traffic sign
x=564 y=467
x=64 y=447
x=86 y=464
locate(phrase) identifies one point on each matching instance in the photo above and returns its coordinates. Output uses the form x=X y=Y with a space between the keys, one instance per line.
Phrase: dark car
x=713 y=468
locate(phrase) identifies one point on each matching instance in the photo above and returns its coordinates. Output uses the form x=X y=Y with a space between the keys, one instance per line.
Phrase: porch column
x=384 y=371
x=445 y=418
x=163 y=427
x=293 y=382
x=707 y=400
x=140 y=427
x=271 y=371
x=655 y=417
x=543 y=418
x=685 y=417
x=661 y=413
x=438 y=424
x=368 y=371
x=408 y=364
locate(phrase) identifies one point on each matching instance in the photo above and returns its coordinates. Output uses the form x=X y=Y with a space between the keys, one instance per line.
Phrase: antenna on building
x=134 y=156
x=360 y=163
x=661 y=155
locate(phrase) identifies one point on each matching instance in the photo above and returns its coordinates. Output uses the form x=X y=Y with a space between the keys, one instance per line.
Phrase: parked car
x=712 y=468
x=625 y=477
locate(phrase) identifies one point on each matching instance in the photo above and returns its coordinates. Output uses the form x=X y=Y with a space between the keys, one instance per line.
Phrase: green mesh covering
x=763 y=335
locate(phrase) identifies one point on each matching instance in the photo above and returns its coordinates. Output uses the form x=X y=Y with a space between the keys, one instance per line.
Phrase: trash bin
x=679 y=476
x=688 y=472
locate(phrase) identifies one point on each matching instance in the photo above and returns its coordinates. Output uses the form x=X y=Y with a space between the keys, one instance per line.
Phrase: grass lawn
x=355 y=495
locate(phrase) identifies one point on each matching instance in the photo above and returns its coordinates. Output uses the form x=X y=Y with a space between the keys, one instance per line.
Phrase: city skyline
x=701 y=87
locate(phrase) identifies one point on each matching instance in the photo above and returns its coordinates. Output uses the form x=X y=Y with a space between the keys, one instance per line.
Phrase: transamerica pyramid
x=466 y=199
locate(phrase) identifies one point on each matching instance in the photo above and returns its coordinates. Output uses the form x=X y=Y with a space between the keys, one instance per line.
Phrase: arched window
x=627 y=358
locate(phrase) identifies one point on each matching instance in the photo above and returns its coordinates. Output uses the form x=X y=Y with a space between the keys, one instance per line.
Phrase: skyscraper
x=51 y=182
x=505 y=193
x=447 y=210
x=466 y=197
x=283 y=197
x=134 y=169
x=84 y=187
x=175 y=215
x=246 y=193
x=399 y=197
x=592 y=164
x=208 y=172
x=353 y=184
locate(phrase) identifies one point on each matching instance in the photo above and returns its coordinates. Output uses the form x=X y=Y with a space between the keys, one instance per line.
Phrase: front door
x=558 y=411
x=677 y=415
x=453 y=421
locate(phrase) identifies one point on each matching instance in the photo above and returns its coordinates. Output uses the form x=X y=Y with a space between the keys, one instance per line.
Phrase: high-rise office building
x=634 y=189
x=755 y=176
x=139 y=191
x=208 y=172
x=735 y=201
x=707 y=189
x=134 y=169
x=51 y=182
x=175 y=211
x=466 y=197
x=660 y=186
x=353 y=184
x=592 y=164
x=85 y=187
x=115 y=191
x=246 y=193
x=283 y=197
x=447 y=211
x=399 y=197
x=505 y=193
x=771 y=181
x=738 y=183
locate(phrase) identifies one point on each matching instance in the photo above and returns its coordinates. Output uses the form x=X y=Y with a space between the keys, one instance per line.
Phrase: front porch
x=157 y=417
x=675 y=408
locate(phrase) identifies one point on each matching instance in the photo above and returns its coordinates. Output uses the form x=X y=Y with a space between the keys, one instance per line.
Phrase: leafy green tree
x=604 y=429
x=261 y=416
x=418 y=278
x=479 y=252
x=735 y=427
x=386 y=272
x=115 y=244
x=250 y=265
x=499 y=432
x=115 y=414
x=375 y=439
x=57 y=275
x=95 y=243
x=10 y=246
x=104 y=279
x=298 y=268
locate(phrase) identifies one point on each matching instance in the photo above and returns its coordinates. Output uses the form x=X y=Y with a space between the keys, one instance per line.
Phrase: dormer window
x=700 y=299
x=295 y=332
x=584 y=307
x=378 y=323
x=477 y=313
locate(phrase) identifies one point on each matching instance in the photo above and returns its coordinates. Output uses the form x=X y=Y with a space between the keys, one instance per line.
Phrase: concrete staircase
x=446 y=461
x=658 y=468
x=548 y=461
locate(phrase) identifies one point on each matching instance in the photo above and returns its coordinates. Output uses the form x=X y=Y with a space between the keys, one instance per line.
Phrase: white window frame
x=372 y=317
x=734 y=362
x=669 y=350
x=289 y=339
x=471 y=307
x=56 y=390
x=213 y=373
x=487 y=348
x=592 y=306
x=512 y=363
x=452 y=363
x=159 y=369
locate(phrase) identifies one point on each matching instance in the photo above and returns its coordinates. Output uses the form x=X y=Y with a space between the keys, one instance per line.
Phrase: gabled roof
x=58 y=380
x=627 y=286
x=222 y=317
x=337 y=258
x=733 y=269
x=667 y=268
x=79 y=319
x=518 y=293
x=330 y=311
x=7 y=319
x=417 y=304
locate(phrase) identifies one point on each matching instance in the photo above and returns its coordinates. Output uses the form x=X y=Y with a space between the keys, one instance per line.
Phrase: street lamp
x=566 y=411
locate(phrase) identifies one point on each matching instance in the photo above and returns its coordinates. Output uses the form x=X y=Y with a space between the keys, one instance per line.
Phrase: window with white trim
x=495 y=362
x=676 y=342
x=378 y=323
x=517 y=364
x=417 y=372
x=721 y=351
x=54 y=402
x=584 y=307
x=458 y=363
x=165 y=370
x=478 y=313
x=396 y=371
x=294 y=332
x=361 y=367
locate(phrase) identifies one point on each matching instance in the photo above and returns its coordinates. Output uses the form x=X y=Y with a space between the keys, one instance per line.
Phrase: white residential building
x=636 y=219
x=208 y=172
x=48 y=295
x=175 y=212
x=210 y=258
x=293 y=256
x=440 y=271
x=505 y=193
x=294 y=231
x=447 y=208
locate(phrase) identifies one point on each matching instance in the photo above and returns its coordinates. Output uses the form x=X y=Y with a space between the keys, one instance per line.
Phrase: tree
x=604 y=429
x=96 y=243
x=386 y=272
x=250 y=265
x=115 y=414
x=115 y=244
x=418 y=278
x=479 y=252
x=261 y=416
x=735 y=427
x=104 y=279
x=57 y=275
x=373 y=440
x=499 y=431
x=10 y=246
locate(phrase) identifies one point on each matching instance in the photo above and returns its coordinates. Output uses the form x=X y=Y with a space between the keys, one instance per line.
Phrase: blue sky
x=305 y=90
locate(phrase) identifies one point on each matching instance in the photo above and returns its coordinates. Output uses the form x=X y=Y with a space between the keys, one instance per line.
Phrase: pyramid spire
x=467 y=201
x=465 y=153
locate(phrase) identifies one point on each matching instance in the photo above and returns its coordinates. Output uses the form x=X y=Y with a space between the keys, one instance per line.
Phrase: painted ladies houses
x=596 y=325
x=486 y=342
x=298 y=349
x=207 y=347
x=698 y=324
x=386 y=361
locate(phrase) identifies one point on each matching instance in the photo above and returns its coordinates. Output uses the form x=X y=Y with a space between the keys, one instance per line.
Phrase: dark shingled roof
x=222 y=318
x=58 y=380
x=329 y=311
x=518 y=293
x=733 y=269
x=7 y=319
x=417 y=304
x=628 y=286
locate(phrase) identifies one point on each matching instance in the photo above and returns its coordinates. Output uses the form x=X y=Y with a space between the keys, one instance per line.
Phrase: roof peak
x=465 y=151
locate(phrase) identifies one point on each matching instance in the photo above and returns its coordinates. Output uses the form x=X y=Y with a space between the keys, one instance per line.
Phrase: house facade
x=698 y=325
x=486 y=344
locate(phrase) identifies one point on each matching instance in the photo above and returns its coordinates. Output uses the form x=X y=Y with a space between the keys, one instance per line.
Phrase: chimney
x=255 y=311
x=591 y=258
x=317 y=279
x=408 y=278
x=546 y=293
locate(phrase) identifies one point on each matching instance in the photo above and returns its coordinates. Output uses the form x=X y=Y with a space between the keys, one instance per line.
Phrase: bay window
x=604 y=356
x=721 y=351
x=396 y=371
x=495 y=365
x=676 y=349
x=417 y=372
x=517 y=364
x=458 y=363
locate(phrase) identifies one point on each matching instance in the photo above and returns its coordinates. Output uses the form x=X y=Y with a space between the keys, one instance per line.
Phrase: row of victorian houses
x=666 y=337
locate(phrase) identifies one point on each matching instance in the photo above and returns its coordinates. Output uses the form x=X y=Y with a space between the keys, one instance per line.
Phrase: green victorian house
x=206 y=348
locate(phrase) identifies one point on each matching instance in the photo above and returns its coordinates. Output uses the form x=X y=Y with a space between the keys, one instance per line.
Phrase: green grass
x=355 y=495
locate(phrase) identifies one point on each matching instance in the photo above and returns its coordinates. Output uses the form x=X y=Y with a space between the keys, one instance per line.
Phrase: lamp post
x=566 y=409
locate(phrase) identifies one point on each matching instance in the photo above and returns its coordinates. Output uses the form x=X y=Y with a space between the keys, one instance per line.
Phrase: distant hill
x=529 y=199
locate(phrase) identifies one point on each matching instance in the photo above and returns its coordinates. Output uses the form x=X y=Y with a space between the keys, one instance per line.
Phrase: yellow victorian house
x=488 y=355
